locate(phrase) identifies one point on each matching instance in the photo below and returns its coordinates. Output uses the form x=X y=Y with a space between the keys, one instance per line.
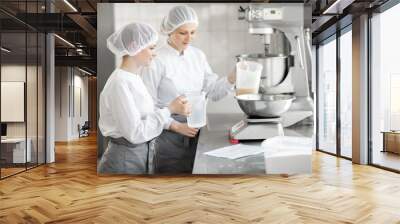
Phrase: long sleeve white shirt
x=127 y=110
x=172 y=74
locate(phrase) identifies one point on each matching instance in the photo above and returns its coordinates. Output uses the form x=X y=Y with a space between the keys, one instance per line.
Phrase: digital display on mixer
x=272 y=14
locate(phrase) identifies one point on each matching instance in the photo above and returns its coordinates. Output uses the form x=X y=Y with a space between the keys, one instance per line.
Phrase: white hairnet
x=131 y=39
x=176 y=17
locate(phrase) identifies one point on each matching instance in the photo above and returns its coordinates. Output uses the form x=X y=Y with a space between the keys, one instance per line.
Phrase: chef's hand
x=232 y=77
x=183 y=129
x=180 y=106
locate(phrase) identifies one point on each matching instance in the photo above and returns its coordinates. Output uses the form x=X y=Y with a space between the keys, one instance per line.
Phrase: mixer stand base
x=256 y=129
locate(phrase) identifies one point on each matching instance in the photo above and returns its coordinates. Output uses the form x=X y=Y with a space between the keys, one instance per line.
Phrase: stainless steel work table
x=216 y=135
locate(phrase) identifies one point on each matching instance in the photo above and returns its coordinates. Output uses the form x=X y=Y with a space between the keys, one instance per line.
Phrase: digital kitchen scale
x=256 y=129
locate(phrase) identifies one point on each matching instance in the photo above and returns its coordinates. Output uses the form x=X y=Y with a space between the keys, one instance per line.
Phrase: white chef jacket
x=127 y=109
x=172 y=74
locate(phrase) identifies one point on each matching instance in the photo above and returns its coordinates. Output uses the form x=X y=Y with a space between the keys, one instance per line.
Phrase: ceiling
x=76 y=25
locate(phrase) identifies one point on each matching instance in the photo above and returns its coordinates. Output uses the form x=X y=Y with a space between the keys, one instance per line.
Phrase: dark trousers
x=123 y=157
x=173 y=152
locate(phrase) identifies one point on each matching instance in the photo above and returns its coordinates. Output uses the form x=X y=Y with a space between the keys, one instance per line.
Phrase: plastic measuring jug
x=248 y=75
x=198 y=102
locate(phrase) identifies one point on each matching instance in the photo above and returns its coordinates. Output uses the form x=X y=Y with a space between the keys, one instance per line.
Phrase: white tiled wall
x=220 y=35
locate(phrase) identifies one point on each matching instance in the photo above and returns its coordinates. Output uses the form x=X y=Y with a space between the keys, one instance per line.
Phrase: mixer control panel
x=272 y=14
x=266 y=14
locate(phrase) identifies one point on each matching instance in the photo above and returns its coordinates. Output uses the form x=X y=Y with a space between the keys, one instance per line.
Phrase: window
x=346 y=93
x=327 y=96
x=385 y=89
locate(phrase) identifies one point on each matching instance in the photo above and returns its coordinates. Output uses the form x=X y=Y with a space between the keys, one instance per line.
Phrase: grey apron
x=174 y=153
x=123 y=157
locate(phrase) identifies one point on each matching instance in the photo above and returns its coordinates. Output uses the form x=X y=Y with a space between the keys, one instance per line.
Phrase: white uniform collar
x=174 y=51
x=127 y=73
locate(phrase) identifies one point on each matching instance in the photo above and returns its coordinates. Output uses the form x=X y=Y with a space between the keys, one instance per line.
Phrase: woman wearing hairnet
x=128 y=117
x=179 y=68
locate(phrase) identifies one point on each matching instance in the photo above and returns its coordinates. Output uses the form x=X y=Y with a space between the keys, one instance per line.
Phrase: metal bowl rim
x=262 y=56
x=283 y=97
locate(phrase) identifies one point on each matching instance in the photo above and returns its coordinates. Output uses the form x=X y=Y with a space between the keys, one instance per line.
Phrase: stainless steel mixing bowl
x=258 y=105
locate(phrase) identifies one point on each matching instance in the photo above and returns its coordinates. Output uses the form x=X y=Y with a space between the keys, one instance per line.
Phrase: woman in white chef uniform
x=128 y=117
x=180 y=68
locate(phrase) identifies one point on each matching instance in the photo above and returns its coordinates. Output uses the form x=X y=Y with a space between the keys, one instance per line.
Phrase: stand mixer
x=283 y=97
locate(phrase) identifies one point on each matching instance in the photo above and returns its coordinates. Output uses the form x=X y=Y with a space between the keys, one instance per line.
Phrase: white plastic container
x=248 y=75
x=288 y=155
x=197 y=118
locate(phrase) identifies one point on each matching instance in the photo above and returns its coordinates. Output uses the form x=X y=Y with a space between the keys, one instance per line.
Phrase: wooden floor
x=10 y=171
x=70 y=191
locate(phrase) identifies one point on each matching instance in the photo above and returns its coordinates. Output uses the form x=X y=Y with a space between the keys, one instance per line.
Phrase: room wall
x=12 y=73
x=62 y=81
x=69 y=81
x=33 y=127
x=82 y=115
